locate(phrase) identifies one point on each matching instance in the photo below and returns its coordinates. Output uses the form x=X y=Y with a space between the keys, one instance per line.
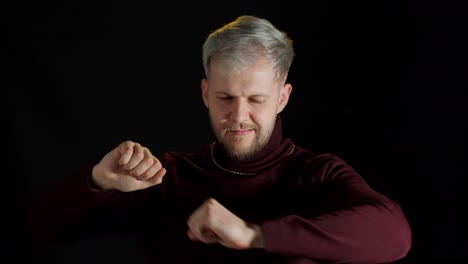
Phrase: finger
x=192 y=236
x=210 y=236
x=126 y=151
x=153 y=170
x=147 y=167
x=137 y=156
x=194 y=224
x=206 y=237
x=157 y=179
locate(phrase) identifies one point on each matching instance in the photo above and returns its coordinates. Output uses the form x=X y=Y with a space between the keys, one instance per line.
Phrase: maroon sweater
x=312 y=208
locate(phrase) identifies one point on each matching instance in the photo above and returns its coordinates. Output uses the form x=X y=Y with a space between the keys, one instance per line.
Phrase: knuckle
x=139 y=154
x=127 y=144
x=147 y=162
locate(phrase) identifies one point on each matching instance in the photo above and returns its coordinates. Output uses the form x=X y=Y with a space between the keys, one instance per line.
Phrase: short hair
x=239 y=43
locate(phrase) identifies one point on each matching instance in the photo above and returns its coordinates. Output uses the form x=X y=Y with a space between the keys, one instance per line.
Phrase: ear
x=283 y=100
x=204 y=91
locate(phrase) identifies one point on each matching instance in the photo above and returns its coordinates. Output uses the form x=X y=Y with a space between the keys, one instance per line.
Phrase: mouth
x=240 y=132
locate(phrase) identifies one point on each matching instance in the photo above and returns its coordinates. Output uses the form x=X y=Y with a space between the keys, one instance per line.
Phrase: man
x=252 y=196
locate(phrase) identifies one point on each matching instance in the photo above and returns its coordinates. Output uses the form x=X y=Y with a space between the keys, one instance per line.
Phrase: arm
x=55 y=212
x=355 y=224
x=78 y=205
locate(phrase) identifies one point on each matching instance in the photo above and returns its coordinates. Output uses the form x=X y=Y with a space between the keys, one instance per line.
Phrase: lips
x=240 y=132
x=239 y=127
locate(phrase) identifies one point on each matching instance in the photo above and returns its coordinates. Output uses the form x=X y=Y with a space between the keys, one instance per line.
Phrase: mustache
x=239 y=126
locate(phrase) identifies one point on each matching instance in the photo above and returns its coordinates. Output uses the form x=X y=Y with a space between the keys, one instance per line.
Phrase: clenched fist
x=213 y=223
x=128 y=167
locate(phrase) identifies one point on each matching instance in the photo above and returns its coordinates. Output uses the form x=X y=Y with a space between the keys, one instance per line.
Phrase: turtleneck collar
x=276 y=149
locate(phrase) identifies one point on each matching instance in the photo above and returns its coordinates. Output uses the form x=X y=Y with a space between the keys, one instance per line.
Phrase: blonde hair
x=239 y=43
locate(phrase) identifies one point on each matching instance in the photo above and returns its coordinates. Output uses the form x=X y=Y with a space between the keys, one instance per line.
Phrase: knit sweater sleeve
x=356 y=223
x=69 y=209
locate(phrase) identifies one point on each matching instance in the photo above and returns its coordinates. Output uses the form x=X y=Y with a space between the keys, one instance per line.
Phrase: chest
x=252 y=197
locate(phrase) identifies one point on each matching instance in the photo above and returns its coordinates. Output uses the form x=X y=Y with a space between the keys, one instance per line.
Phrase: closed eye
x=257 y=100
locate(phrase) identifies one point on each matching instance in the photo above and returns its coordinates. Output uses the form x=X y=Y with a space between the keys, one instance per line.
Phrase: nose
x=239 y=111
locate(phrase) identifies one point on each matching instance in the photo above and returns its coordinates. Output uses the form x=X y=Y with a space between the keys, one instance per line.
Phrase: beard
x=231 y=147
x=242 y=154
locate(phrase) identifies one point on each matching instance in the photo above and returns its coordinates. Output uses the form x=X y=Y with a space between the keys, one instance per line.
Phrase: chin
x=237 y=152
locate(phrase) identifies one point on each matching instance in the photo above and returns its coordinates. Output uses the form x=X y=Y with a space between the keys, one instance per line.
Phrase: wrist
x=257 y=240
x=92 y=183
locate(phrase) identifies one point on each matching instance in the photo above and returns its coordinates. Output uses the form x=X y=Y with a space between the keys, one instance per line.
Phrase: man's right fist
x=128 y=167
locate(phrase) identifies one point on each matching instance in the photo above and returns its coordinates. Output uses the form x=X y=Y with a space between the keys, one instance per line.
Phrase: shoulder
x=324 y=166
x=314 y=159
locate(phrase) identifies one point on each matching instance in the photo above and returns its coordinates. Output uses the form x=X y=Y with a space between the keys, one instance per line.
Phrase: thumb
x=192 y=236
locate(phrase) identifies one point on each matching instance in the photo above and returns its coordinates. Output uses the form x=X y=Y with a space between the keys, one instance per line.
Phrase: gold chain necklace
x=238 y=172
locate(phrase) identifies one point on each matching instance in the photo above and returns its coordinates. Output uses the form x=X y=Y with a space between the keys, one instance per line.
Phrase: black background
x=380 y=83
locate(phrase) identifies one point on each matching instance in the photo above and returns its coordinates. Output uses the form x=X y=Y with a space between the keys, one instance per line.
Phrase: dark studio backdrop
x=380 y=83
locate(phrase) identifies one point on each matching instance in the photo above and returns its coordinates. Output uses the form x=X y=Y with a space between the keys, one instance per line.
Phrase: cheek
x=217 y=113
x=217 y=119
x=264 y=115
x=266 y=118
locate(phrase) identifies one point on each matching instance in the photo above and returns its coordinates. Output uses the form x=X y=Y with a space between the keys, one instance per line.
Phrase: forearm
x=377 y=233
x=60 y=205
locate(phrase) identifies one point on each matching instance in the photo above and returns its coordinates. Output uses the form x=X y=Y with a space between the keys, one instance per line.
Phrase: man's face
x=243 y=106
